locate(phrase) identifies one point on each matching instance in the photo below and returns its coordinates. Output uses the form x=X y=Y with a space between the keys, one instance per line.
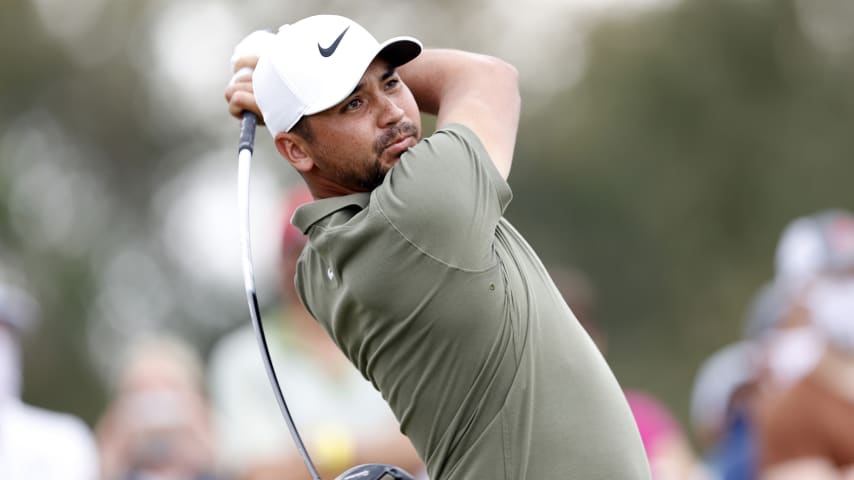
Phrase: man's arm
x=478 y=91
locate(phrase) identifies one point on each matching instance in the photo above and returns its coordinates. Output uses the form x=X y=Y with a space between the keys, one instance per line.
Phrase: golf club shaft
x=246 y=146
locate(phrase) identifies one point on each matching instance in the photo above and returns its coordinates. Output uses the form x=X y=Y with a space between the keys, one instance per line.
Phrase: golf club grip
x=247 y=131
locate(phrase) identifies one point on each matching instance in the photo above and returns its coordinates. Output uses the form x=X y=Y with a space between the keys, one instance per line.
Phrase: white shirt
x=37 y=444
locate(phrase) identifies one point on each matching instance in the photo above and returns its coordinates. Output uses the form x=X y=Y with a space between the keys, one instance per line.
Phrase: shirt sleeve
x=446 y=197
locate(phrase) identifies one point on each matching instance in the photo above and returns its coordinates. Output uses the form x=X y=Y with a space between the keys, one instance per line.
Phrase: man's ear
x=294 y=149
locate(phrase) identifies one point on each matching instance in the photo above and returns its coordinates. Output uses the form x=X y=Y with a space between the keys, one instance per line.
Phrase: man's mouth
x=400 y=145
x=397 y=139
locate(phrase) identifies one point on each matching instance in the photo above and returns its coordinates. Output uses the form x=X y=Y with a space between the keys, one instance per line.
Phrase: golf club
x=244 y=158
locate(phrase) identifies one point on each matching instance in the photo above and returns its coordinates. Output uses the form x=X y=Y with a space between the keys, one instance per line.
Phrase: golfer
x=412 y=269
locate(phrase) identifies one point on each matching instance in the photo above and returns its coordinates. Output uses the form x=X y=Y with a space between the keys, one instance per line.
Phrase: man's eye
x=392 y=83
x=353 y=104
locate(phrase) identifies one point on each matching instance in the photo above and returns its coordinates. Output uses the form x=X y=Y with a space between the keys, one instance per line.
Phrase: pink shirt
x=654 y=421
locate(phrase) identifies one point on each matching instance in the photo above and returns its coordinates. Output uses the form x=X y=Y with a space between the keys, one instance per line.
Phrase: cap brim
x=400 y=50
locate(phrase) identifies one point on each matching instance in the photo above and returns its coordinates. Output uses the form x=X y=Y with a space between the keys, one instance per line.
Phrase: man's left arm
x=478 y=91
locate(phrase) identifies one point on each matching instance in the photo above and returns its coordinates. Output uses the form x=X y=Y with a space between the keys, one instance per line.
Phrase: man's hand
x=239 y=93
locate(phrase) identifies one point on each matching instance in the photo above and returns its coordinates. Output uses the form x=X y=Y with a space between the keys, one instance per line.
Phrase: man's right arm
x=478 y=91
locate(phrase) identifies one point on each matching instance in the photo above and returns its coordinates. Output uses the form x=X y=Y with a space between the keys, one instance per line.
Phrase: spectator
x=158 y=424
x=34 y=443
x=723 y=410
x=341 y=417
x=806 y=430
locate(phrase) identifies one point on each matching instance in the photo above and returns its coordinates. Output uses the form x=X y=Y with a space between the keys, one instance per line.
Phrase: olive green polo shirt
x=447 y=310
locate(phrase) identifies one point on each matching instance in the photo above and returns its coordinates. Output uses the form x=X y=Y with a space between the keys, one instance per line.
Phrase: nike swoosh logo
x=328 y=51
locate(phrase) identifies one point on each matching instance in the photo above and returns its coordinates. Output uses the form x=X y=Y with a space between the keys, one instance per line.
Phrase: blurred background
x=664 y=146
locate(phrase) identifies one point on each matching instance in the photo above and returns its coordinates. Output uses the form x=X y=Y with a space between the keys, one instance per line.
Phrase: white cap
x=315 y=63
x=817 y=244
x=831 y=305
x=718 y=378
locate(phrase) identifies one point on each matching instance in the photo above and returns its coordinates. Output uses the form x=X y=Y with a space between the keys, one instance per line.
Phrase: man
x=413 y=271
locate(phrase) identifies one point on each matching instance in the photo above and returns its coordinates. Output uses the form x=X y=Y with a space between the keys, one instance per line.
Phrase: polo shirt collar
x=310 y=213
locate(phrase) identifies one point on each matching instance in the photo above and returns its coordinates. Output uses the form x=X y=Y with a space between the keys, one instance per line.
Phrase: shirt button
x=329 y=273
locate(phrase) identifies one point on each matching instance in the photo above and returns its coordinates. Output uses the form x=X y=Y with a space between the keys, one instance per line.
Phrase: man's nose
x=391 y=112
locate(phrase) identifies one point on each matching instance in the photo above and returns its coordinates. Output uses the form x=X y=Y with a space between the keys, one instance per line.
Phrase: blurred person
x=34 y=443
x=671 y=455
x=807 y=429
x=668 y=449
x=781 y=346
x=791 y=344
x=723 y=411
x=341 y=417
x=810 y=425
x=728 y=383
x=785 y=342
x=410 y=266
x=157 y=425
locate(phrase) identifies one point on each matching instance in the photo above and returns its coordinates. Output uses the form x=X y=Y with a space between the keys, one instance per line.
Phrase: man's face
x=357 y=141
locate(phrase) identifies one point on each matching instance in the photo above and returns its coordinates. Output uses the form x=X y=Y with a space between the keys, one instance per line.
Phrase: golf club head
x=375 y=471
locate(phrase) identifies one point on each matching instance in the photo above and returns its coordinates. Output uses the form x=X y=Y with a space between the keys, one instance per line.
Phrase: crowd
x=779 y=403
x=776 y=404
